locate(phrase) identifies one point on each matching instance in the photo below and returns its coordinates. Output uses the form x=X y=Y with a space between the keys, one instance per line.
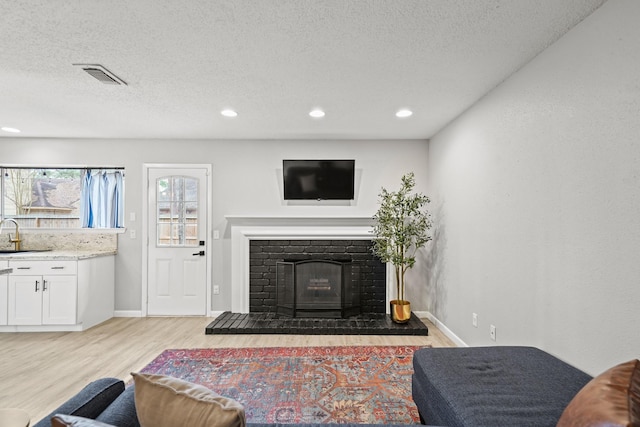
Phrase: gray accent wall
x=537 y=193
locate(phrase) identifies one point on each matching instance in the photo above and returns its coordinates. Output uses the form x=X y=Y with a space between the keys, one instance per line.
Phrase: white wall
x=247 y=180
x=537 y=196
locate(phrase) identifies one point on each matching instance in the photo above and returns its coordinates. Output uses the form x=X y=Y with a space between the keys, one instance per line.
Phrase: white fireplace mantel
x=341 y=220
x=247 y=228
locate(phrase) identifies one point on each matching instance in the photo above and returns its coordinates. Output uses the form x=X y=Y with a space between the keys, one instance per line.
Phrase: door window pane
x=177 y=211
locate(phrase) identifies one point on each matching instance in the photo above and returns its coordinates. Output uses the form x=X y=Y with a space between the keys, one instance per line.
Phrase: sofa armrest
x=122 y=412
x=94 y=398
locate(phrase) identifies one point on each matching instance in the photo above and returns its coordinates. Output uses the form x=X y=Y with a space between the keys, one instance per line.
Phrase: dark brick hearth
x=270 y=323
x=264 y=254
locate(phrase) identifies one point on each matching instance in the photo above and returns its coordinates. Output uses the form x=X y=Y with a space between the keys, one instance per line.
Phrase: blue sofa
x=105 y=400
x=108 y=400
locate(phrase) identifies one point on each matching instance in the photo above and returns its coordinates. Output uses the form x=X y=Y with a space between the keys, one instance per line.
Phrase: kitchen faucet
x=16 y=240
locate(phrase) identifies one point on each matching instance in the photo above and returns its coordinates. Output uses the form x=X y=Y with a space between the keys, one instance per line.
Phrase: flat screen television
x=318 y=179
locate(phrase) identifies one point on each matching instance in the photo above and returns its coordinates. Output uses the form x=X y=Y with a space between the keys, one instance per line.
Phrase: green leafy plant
x=401 y=227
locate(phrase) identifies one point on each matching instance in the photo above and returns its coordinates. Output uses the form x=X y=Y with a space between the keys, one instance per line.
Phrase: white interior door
x=177 y=231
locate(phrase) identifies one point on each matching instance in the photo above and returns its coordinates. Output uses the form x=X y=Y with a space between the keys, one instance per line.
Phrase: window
x=53 y=197
x=177 y=211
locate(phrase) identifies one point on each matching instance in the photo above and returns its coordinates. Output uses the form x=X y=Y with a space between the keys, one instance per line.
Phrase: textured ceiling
x=270 y=60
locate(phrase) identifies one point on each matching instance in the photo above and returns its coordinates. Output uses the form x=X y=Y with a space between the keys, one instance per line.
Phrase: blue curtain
x=102 y=199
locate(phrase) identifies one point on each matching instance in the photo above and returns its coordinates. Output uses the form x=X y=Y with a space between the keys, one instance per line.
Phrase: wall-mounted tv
x=318 y=179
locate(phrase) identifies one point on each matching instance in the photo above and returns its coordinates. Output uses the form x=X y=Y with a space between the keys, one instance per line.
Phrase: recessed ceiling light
x=404 y=113
x=316 y=113
x=229 y=113
x=8 y=129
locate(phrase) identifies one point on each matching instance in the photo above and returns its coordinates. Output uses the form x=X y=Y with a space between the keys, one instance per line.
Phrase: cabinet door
x=25 y=300
x=4 y=293
x=59 y=296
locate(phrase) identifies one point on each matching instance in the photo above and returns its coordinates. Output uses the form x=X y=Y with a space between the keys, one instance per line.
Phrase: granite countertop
x=70 y=255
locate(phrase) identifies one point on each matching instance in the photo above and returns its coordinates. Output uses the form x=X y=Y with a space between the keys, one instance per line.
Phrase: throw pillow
x=60 y=420
x=610 y=399
x=164 y=401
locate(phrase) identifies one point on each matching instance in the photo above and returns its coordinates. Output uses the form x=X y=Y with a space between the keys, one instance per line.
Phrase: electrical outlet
x=132 y=234
x=216 y=290
x=492 y=332
x=474 y=321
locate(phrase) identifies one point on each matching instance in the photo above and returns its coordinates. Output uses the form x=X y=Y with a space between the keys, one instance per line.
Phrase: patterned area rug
x=363 y=384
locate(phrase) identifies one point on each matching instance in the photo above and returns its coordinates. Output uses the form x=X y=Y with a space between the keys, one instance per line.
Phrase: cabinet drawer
x=22 y=268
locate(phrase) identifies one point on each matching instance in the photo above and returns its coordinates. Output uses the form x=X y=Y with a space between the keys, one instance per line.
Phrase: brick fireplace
x=345 y=240
x=260 y=240
x=369 y=274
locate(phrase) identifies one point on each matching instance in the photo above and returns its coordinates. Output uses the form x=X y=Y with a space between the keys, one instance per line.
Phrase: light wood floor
x=39 y=371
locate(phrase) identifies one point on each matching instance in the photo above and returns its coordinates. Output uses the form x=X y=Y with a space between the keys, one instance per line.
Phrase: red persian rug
x=363 y=384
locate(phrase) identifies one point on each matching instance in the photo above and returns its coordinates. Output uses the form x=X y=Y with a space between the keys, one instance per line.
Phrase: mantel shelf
x=293 y=220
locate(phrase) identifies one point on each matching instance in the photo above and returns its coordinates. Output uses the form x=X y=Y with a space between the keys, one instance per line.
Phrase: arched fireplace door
x=317 y=288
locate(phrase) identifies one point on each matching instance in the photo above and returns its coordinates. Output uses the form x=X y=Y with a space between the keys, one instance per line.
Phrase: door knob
x=201 y=253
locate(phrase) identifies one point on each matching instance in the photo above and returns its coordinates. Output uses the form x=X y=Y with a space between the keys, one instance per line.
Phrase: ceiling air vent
x=102 y=74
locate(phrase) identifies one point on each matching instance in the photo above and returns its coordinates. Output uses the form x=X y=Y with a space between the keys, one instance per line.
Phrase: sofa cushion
x=493 y=386
x=61 y=420
x=610 y=399
x=89 y=402
x=163 y=401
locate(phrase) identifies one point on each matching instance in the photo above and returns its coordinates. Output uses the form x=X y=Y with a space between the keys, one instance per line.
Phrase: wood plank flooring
x=39 y=371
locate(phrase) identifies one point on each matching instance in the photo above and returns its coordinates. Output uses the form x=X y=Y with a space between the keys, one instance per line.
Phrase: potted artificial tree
x=401 y=227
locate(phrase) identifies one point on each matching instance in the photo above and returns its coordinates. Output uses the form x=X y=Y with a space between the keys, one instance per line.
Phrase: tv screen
x=318 y=179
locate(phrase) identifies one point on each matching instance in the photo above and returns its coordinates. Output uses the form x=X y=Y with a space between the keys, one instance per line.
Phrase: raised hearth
x=270 y=323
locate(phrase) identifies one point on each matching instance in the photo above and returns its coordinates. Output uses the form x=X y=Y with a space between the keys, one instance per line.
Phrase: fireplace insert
x=317 y=288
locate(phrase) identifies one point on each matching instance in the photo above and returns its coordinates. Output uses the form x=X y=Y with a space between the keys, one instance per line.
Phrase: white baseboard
x=127 y=313
x=138 y=313
x=446 y=331
x=41 y=328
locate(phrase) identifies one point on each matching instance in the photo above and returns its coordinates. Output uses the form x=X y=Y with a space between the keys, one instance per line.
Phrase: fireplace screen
x=317 y=288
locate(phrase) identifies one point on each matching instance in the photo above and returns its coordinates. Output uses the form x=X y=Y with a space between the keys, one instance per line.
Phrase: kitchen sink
x=22 y=251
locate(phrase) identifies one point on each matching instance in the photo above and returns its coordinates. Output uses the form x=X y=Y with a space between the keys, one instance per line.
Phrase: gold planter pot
x=400 y=311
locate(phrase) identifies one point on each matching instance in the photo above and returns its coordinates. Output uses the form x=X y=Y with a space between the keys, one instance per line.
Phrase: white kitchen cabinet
x=59 y=300
x=43 y=293
x=25 y=300
x=4 y=280
x=58 y=295
x=42 y=300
